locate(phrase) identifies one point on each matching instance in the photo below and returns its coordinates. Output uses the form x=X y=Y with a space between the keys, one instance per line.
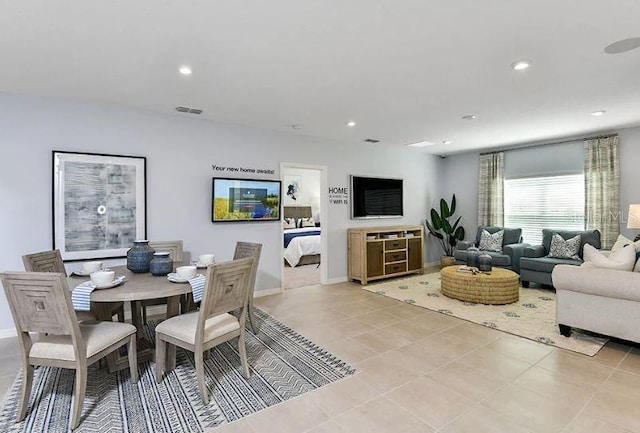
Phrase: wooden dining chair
x=41 y=302
x=226 y=290
x=244 y=250
x=51 y=261
x=176 y=253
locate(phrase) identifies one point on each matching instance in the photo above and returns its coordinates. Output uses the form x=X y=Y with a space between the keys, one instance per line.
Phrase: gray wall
x=180 y=151
x=459 y=174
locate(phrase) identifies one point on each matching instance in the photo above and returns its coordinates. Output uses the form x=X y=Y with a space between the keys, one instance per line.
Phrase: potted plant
x=446 y=233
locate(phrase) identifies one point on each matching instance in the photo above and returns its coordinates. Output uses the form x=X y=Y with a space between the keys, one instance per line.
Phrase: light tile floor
x=420 y=371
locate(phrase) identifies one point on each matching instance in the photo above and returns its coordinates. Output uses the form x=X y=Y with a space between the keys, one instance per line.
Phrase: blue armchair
x=509 y=257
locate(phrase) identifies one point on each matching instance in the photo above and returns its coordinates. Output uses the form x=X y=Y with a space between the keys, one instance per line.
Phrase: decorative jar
x=484 y=263
x=161 y=264
x=472 y=257
x=139 y=256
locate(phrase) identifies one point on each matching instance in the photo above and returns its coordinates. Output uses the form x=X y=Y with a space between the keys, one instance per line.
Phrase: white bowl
x=89 y=267
x=186 y=271
x=102 y=278
x=206 y=259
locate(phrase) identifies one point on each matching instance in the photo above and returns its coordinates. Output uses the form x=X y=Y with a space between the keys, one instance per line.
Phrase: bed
x=302 y=245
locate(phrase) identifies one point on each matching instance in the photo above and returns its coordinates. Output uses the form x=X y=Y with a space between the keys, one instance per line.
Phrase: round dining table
x=135 y=288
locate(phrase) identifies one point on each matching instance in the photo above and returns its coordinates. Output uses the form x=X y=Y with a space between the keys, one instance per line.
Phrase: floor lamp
x=633 y=221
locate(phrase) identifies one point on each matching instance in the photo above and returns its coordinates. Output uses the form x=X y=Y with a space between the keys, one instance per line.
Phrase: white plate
x=119 y=280
x=174 y=278
x=203 y=265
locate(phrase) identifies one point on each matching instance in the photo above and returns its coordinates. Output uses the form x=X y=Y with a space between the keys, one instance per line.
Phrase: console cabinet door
x=414 y=254
x=375 y=259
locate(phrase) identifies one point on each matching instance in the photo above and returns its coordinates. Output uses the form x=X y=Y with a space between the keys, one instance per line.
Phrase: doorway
x=304 y=227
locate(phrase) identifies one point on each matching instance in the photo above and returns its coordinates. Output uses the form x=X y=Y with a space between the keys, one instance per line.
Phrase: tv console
x=382 y=252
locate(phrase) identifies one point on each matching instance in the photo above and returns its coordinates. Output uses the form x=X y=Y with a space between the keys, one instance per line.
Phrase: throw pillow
x=491 y=242
x=564 y=249
x=307 y=222
x=622 y=241
x=623 y=259
x=288 y=223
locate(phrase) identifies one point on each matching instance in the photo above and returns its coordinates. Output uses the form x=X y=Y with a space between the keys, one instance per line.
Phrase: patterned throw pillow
x=307 y=222
x=564 y=249
x=491 y=242
x=288 y=223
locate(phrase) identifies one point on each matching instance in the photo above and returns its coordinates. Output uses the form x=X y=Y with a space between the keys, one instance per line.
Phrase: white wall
x=180 y=151
x=459 y=175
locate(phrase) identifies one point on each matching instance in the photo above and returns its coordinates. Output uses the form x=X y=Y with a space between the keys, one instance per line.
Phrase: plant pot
x=447 y=261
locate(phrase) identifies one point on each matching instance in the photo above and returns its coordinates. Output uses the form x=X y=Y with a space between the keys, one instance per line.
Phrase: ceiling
x=404 y=70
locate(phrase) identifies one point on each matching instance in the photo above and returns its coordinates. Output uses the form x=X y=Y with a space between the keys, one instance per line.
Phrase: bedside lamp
x=633 y=221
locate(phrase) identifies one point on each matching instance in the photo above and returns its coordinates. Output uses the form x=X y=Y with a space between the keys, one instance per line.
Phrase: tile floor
x=421 y=371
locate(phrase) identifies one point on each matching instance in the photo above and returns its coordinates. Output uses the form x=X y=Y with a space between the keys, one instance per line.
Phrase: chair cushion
x=544 y=264
x=183 y=327
x=97 y=336
x=497 y=258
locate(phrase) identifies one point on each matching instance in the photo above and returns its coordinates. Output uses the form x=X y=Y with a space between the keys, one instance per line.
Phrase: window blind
x=535 y=203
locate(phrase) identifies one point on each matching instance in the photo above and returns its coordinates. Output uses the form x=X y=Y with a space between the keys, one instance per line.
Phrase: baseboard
x=261 y=293
x=337 y=280
x=8 y=333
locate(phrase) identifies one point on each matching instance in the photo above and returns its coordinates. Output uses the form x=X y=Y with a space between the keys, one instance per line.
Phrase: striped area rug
x=283 y=365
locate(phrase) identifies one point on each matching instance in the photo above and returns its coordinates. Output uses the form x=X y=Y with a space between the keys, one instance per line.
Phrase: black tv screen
x=374 y=197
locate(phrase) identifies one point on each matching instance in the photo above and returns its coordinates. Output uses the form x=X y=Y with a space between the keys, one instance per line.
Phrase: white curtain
x=491 y=189
x=602 y=188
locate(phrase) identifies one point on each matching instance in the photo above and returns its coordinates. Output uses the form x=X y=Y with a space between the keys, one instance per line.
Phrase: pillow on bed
x=288 y=223
x=307 y=222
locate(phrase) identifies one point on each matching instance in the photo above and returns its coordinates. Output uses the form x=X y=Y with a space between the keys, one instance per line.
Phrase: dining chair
x=41 y=302
x=226 y=290
x=51 y=261
x=176 y=253
x=244 y=250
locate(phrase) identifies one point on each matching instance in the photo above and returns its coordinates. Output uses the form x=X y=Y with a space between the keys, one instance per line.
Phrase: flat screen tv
x=245 y=200
x=376 y=197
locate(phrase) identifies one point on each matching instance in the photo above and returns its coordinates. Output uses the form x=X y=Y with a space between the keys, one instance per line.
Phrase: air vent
x=371 y=140
x=188 y=110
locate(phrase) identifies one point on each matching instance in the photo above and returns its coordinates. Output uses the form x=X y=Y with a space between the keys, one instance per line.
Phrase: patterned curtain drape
x=491 y=189
x=602 y=188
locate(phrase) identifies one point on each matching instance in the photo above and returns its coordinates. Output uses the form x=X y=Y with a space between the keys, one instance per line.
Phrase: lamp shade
x=633 y=221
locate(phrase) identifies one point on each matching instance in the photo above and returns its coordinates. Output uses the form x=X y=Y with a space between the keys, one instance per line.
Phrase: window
x=535 y=203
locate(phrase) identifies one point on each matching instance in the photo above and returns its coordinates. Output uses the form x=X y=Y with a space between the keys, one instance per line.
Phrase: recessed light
x=598 y=112
x=521 y=65
x=446 y=141
x=185 y=70
x=421 y=144
x=469 y=117
x=622 y=46
x=351 y=124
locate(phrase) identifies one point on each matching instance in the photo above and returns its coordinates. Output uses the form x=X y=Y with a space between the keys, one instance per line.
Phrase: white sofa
x=605 y=301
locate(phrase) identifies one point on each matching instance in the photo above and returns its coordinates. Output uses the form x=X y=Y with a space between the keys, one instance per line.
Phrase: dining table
x=135 y=288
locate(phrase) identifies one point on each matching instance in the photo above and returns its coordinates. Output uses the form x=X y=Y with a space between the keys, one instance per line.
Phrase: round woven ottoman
x=499 y=287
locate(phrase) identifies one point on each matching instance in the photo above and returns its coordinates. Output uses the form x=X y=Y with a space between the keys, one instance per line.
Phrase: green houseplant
x=446 y=233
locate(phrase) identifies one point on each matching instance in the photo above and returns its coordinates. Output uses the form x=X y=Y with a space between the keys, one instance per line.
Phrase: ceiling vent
x=371 y=140
x=188 y=110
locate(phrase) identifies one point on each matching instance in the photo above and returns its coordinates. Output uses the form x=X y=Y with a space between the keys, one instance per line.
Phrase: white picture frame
x=99 y=204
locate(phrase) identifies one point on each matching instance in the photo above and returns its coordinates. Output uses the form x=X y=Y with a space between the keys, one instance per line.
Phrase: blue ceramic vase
x=161 y=264
x=484 y=263
x=139 y=257
x=472 y=257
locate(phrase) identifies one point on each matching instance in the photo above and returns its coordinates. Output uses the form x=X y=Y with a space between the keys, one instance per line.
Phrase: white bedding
x=302 y=246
